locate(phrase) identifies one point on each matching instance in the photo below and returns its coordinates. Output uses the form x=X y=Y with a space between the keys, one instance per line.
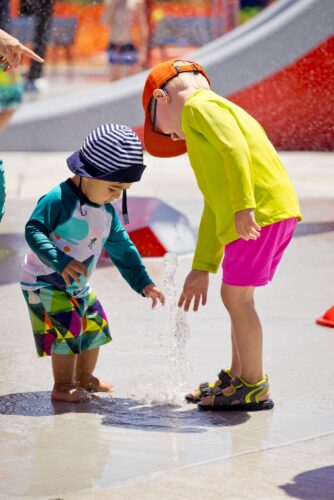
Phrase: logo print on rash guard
x=73 y=230
x=92 y=242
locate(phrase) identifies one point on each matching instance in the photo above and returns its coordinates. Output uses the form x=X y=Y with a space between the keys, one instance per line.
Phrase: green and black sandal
x=247 y=395
x=204 y=389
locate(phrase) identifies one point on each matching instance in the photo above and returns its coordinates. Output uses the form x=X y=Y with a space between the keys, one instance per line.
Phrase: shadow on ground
x=312 y=484
x=122 y=412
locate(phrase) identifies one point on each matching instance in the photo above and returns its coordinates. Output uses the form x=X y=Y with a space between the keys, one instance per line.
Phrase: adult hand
x=73 y=270
x=152 y=292
x=195 y=287
x=246 y=225
x=11 y=51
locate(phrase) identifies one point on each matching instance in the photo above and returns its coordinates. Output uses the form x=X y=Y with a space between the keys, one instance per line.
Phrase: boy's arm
x=126 y=257
x=37 y=232
x=220 y=128
x=209 y=250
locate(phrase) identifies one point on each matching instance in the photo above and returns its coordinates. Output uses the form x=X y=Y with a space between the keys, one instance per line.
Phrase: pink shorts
x=254 y=262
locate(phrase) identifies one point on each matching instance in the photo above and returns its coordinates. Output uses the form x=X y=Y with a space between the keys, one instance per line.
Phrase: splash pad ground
x=137 y=444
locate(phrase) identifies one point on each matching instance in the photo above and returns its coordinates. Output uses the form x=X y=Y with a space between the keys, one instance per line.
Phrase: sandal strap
x=242 y=391
x=204 y=389
x=225 y=376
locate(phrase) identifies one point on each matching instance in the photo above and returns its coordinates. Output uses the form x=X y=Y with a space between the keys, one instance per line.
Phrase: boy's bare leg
x=65 y=386
x=86 y=364
x=235 y=364
x=247 y=329
x=247 y=334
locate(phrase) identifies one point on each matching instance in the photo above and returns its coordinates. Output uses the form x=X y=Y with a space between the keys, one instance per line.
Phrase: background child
x=11 y=93
x=250 y=213
x=123 y=55
x=11 y=51
x=66 y=233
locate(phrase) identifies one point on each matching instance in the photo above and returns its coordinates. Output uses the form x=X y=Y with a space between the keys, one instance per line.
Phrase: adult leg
x=4 y=14
x=42 y=10
x=86 y=364
x=65 y=386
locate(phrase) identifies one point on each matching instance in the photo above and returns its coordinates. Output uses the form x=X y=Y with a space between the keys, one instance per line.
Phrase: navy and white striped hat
x=111 y=152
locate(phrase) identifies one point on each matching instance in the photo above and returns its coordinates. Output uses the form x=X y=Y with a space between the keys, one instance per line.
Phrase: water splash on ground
x=173 y=367
x=177 y=335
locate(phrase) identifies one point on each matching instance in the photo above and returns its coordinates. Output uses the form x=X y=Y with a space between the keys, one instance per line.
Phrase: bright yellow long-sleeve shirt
x=236 y=168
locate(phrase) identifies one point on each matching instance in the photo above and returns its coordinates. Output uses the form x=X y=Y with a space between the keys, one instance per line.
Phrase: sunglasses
x=154 y=129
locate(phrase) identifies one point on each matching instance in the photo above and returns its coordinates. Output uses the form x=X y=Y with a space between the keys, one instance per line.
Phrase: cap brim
x=131 y=173
x=76 y=165
x=158 y=145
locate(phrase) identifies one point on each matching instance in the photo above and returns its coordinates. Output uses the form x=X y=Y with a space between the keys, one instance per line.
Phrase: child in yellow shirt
x=250 y=213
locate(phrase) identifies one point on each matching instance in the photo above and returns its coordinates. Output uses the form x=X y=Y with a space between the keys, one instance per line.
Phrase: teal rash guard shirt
x=66 y=226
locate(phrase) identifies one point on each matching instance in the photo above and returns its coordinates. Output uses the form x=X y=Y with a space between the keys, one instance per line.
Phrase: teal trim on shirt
x=55 y=219
x=2 y=190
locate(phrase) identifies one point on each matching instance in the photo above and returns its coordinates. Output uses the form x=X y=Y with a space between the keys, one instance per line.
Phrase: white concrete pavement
x=125 y=447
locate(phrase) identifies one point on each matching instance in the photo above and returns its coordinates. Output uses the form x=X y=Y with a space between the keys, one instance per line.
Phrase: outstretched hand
x=195 y=287
x=153 y=293
x=73 y=270
x=11 y=51
x=246 y=225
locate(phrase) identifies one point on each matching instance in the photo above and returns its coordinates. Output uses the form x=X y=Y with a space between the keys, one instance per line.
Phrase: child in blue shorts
x=66 y=233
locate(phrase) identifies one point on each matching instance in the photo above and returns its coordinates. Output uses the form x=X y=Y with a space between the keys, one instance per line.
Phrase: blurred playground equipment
x=157 y=228
x=279 y=66
x=179 y=27
x=173 y=26
x=63 y=34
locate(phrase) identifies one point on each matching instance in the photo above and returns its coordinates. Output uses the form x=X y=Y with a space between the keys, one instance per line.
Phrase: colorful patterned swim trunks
x=63 y=324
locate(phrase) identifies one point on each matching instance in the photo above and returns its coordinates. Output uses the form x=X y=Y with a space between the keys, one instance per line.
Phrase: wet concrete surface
x=136 y=444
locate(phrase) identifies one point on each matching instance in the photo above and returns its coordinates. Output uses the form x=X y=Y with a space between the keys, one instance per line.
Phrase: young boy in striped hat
x=66 y=233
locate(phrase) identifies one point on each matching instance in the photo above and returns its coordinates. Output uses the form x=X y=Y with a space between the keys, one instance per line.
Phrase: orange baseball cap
x=159 y=145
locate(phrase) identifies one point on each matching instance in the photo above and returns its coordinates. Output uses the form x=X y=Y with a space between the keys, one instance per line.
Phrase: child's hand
x=152 y=292
x=246 y=225
x=73 y=270
x=196 y=286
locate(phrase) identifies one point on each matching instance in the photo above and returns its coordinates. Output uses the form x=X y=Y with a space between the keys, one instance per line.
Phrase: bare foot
x=70 y=393
x=94 y=384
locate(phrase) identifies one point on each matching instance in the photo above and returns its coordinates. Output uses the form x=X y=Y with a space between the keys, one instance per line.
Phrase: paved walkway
x=128 y=447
